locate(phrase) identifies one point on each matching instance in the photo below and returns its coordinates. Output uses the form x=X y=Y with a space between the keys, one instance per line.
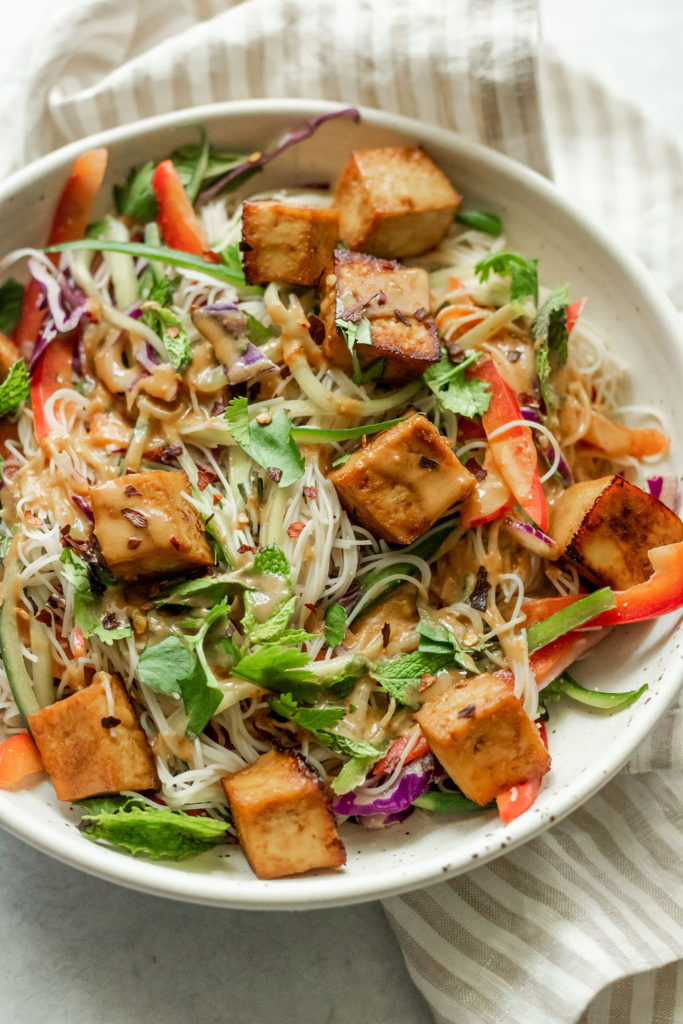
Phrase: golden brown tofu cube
x=283 y=816
x=284 y=242
x=394 y=202
x=402 y=481
x=402 y=331
x=146 y=526
x=92 y=743
x=482 y=736
x=607 y=527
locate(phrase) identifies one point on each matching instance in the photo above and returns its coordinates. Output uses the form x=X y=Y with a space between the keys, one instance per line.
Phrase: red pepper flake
x=217 y=499
x=386 y=633
x=132 y=492
x=513 y=355
x=316 y=329
x=402 y=317
x=456 y=353
x=295 y=529
x=310 y=492
x=468 y=712
x=173 y=332
x=244 y=548
x=110 y=621
x=171 y=453
x=44 y=617
x=381 y=299
x=135 y=517
x=311 y=607
x=420 y=313
x=133 y=542
x=110 y=722
x=477 y=471
x=275 y=473
x=264 y=418
x=175 y=543
x=426 y=681
x=205 y=477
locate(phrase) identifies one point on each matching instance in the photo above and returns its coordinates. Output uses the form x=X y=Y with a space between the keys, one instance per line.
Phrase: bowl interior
x=587 y=746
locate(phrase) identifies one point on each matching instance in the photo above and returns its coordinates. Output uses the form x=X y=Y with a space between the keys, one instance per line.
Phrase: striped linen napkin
x=582 y=923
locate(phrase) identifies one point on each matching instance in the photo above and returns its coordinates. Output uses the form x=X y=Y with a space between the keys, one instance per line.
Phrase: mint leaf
x=15 y=388
x=355 y=333
x=455 y=392
x=170 y=329
x=523 y=272
x=270 y=445
x=281 y=669
x=335 y=625
x=272 y=559
x=155 y=832
x=313 y=719
x=551 y=341
x=136 y=198
x=353 y=773
x=401 y=676
x=481 y=220
x=11 y=300
x=87 y=607
x=158 y=289
x=197 y=592
x=165 y=665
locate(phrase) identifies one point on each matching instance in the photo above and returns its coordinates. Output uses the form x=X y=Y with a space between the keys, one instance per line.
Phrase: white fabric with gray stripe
x=582 y=923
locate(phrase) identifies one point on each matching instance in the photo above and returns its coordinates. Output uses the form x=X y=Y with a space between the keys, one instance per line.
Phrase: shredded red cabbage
x=414 y=780
x=225 y=326
x=665 y=489
x=532 y=538
x=66 y=302
x=287 y=140
x=83 y=505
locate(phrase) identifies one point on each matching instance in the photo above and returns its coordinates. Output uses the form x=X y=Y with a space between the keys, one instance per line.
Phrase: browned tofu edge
x=322 y=223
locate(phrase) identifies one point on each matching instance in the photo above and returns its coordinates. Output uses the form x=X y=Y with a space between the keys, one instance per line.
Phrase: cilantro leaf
x=158 y=289
x=270 y=445
x=335 y=625
x=281 y=669
x=165 y=665
x=170 y=329
x=551 y=341
x=136 y=198
x=191 y=163
x=401 y=676
x=155 y=832
x=11 y=299
x=481 y=220
x=355 y=332
x=523 y=272
x=455 y=392
x=15 y=388
x=87 y=607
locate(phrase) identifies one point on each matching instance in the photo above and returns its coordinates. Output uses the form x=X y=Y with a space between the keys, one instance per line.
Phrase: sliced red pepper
x=574 y=311
x=660 y=594
x=51 y=373
x=515 y=801
x=20 y=762
x=388 y=763
x=179 y=225
x=70 y=220
x=513 y=450
x=490 y=499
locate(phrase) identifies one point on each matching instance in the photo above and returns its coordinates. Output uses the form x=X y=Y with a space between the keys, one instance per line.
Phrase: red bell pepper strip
x=513 y=450
x=51 y=373
x=179 y=225
x=574 y=311
x=68 y=224
x=20 y=762
x=388 y=763
x=660 y=594
x=515 y=801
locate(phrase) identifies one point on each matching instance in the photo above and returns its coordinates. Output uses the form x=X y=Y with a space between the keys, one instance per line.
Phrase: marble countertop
x=78 y=949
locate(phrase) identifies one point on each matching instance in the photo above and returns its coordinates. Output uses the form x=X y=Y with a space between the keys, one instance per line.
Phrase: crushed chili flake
x=426 y=681
x=427 y=463
x=310 y=492
x=381 y=298
x=402 y=317
x=294 y=530
x=244 y=548
x=217 y=499
x=110 y=722
x=110 y=621
x=133 y=542
x=468 y=712
x=310 y=606
x=84 y=548
x=513 y=355
x=132 y=492
x=171 y=453
x=173 y=332
x=479 y=596
x=44 y=617
x=264 y=418
x=56 y=601
x=386 y=633
x=354 y=314
x=205 y=477
x=456 y=353
x=420 y=313
x=275 y=473
x=135 y=517
x=244 y=247
x=175 y=543
x=316 y=329
x=477 y=471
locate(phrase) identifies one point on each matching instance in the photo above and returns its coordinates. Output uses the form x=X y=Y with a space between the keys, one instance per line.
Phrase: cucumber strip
x=571 y=617
x=448 y=803
x=21 y=683
x=564 y=684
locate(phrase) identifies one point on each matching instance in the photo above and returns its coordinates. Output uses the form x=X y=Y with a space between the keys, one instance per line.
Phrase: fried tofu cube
x=283 y=816
x=284 y=242
x=395 y=299
x=482 y=736
x=400 y=483
x=146 y=526
x=606 y=528
x=394 y=202
x=91 y=743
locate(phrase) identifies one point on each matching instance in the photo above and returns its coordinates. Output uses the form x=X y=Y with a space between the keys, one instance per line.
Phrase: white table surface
x=79 y=950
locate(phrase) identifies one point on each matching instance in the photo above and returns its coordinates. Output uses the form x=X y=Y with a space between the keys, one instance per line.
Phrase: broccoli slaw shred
x=309 y=500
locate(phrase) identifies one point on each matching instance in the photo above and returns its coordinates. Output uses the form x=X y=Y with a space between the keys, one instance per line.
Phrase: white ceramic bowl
x=587 y=747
